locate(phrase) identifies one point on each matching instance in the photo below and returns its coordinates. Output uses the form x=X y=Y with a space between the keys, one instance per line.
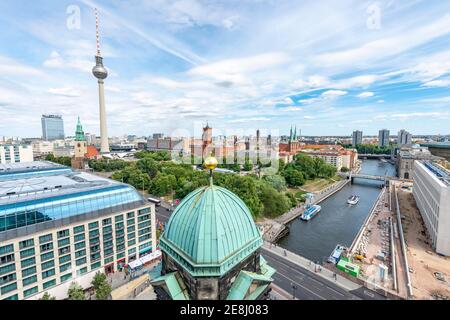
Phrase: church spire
x=79 y=133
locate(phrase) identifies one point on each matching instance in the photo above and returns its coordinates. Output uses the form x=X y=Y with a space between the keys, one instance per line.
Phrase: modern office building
x=404 y=137
x=15 y=153
x=52 y=127
x=58 y=225
x=431 y=191
x=383 y=138
x=357 y=137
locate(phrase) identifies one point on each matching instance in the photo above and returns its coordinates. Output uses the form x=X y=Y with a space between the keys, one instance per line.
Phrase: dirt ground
x=422 y=259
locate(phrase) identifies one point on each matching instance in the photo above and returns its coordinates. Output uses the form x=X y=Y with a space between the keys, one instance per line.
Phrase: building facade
x=404 y=138
x=15 y=153
x=211 y=250
x=357 y=138
x=383 y=138
x=431 y=191
x=52 y=127
x=406 y=157
x=58 y=226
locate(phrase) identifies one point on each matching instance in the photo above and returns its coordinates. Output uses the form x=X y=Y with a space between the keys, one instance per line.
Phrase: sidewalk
x=309 y=265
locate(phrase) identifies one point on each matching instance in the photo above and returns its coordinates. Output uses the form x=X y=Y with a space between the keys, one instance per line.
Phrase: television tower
x=101 y=73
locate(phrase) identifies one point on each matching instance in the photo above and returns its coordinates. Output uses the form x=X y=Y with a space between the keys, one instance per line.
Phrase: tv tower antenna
x=97 y=34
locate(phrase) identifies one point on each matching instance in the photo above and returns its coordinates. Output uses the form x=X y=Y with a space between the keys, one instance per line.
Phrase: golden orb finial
x=211 y=162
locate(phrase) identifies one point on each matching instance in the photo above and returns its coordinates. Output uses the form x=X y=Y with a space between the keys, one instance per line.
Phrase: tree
x=76 y=292
x=47 y=296
x=248 y=166
x=275 y=203
x=276 y=181
x=294 y=177
x=345 y=169
x=103 y=291
x=163 y=184
x=98 y=280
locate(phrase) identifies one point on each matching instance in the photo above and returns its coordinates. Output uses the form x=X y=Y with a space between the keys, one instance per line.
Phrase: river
x=338 y=222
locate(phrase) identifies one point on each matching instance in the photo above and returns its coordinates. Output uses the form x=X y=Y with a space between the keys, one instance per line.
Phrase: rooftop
x=439 y=172
x=38 y=192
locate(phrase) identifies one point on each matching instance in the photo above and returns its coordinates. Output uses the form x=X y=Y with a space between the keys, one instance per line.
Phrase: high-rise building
x=15 y=153
x=101 y=74
x=357 y=137
x=383 y=138
x=432 y=194
x=52 y=127
x=58 y=225
x=404 y=137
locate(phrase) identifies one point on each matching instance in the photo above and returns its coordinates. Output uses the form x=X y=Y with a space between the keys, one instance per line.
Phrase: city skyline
x=172 y=63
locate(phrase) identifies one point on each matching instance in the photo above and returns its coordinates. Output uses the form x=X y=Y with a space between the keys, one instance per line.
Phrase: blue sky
x=328 y=67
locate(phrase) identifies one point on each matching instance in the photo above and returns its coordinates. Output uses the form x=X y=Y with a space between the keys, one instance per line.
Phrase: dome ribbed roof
x=211 y=227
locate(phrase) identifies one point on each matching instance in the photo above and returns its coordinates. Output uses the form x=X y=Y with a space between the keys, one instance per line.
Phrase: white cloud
x=243 y=120
x=366 y=94
x=333 y=93
x=437 y=83
x=65 y=91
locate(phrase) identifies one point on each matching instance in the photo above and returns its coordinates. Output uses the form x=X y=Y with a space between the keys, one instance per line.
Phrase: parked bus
x=157 y=202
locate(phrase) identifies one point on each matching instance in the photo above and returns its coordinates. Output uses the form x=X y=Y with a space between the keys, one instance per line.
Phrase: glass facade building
x=59 y=226
x=52 y=127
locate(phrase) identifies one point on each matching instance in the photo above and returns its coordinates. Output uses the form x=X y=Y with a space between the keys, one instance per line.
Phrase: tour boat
x=336 y=255
x=311 y=212
x=353 y=199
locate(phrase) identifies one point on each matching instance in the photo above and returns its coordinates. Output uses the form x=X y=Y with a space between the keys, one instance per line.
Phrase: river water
x=338 y=222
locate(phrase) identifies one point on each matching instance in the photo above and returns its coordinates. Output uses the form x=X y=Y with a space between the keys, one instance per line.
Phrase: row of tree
x=76 y=292
x=305 y=167
x=370 y=148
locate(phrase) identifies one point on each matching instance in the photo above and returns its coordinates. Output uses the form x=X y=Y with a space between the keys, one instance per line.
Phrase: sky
x=327 y=67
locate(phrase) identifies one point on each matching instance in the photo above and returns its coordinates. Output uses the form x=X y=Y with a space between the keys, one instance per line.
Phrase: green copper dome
x=210 y=232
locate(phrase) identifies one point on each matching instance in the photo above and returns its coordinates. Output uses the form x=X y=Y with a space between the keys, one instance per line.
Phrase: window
x=108 y=252
x=49 y=284
x=65 y=267
x=7 y=259
x=28 y=272
x=95 y=265
x=107 y=244
x=130 y=229
x=9 y=288
x=46 y=247
x=81 y=271
x=146 y=237
x=120 y=232
x=48 y=273
x=26 y=243
x=48 y=264
x=146 y=245
x=107 y=229
x=79 y=237
x=63 y=233
x=64 y=250
x=28 y=262
x=130 y=215
x=119 y=226
x=131 y=222
x=132 y=242
x=120 y=247
x=132 y=250
x=64 y=259
x=80 y=245
x=80 y=253
x=47 y=256
x=120 y=240
x=143 y=211
x=66 y=277
x=6 y=249
x=95 y=257
x=46 y=238
x=29 y=280
x=78 y=229
x=7 y=269
x=80 y=261
x=106 y=222
x=108 y=260
x=27 y=253
x=13 y=297
x=30 y=292
x=118 y=218
x=131 y=235
x=93 y=233
x=63 y=242
x=93 y=225
x=8 y=278
x=120 y=255
x=144 y=218
x=144 y=224
x=107 y=237
x=144 y=231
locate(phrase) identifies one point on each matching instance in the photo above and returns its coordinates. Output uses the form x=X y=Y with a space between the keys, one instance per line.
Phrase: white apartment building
x=432 y=194
x=42 y=148
x=15 y=153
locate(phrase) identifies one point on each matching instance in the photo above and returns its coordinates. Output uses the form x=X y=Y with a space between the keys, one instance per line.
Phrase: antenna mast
x=97 y=27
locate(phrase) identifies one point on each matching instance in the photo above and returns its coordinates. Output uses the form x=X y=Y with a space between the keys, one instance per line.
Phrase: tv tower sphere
x=99 y=70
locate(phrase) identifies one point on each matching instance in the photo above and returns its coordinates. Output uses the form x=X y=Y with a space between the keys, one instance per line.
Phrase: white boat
x=310 y=212
x=353 y=199
x=336 y=255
